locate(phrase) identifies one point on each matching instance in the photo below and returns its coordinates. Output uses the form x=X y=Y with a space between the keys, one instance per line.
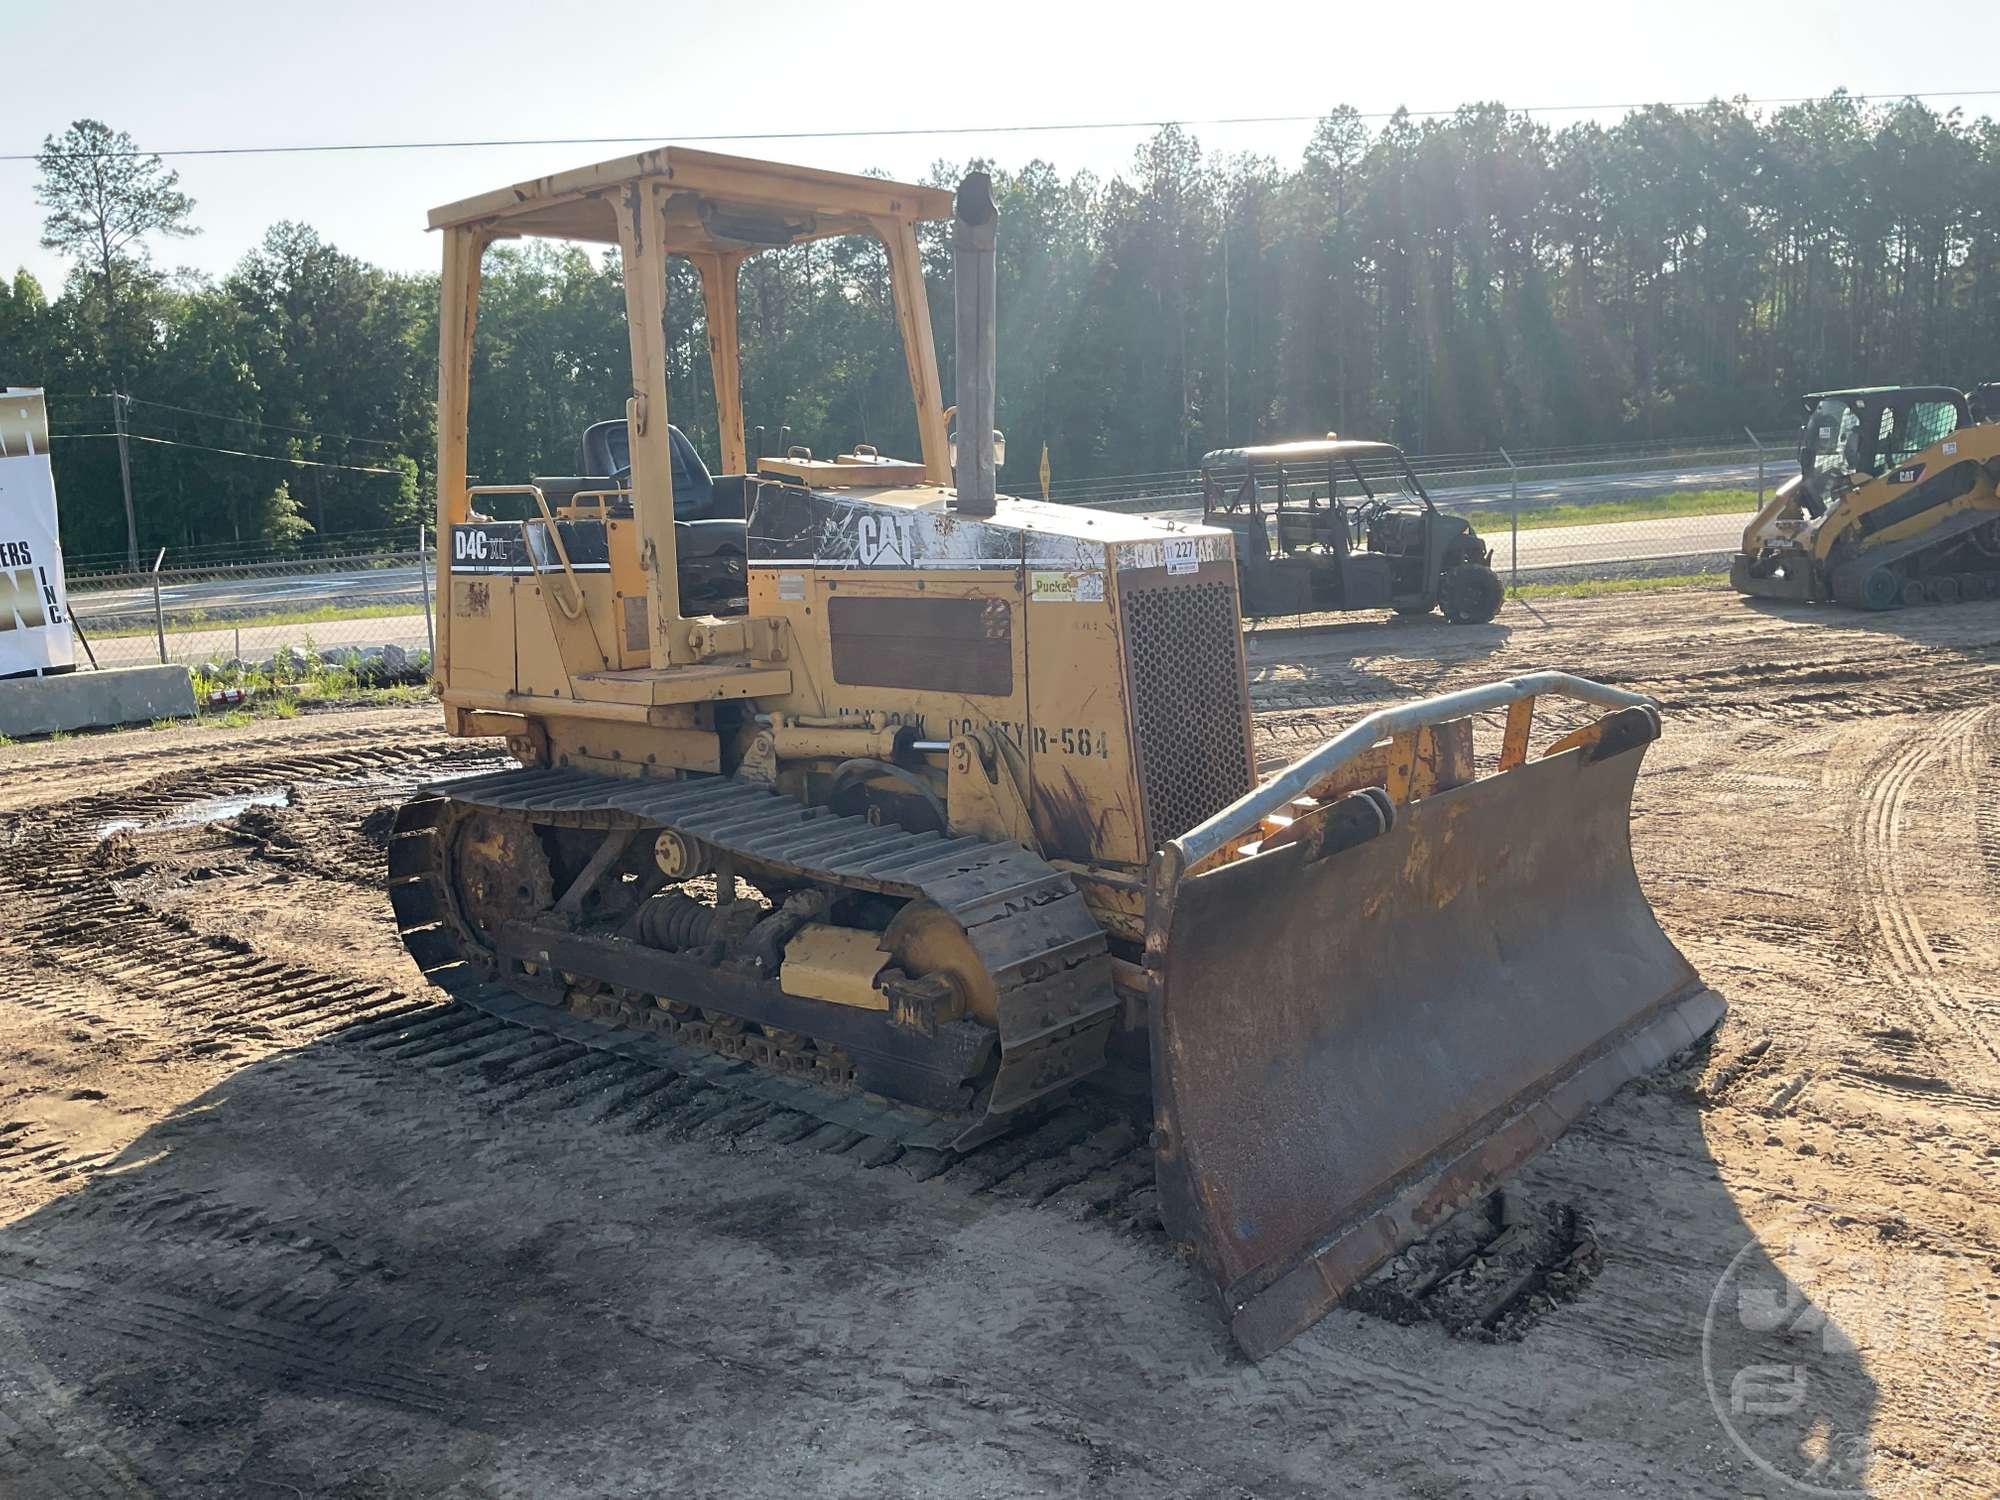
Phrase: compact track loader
x=1896 y=502
x=960 y=815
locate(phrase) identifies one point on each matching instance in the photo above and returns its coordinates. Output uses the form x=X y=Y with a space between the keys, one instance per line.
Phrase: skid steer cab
x=1339 y=525
x=1896 y=502
x=952 y=816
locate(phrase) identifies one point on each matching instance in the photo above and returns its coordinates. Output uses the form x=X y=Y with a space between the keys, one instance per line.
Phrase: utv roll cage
x=1314 y=462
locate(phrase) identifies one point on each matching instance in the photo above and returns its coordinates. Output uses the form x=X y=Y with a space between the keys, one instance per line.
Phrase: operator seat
x=710 y=530
x=698 y=495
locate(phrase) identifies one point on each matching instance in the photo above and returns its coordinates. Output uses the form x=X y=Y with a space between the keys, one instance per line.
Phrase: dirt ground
x=275 y=1221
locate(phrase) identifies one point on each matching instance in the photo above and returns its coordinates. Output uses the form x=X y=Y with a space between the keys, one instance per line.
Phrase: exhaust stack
x=974 y=235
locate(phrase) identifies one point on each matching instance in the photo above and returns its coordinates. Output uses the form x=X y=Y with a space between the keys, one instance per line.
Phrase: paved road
x=1547 y=547
x=255 y=644
x=198 y=611
x=402 y=584
x=1542 y=549
x=399 y=584
x=1601 y=487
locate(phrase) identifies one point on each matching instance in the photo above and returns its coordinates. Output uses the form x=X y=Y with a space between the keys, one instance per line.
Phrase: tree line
x=1450 y=283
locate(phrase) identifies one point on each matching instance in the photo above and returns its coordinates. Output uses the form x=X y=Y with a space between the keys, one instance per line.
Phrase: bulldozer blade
x=1349 y=1046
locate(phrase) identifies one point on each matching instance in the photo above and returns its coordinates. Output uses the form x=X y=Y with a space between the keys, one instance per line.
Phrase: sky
x=209 y=73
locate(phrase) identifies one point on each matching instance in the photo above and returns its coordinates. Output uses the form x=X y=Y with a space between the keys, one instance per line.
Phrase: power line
x=273 y=426
x=955 y=130
x=312 y=432
x=269 y=458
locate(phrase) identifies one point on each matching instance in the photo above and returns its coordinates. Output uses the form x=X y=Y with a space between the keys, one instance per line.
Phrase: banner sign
x=34 y=608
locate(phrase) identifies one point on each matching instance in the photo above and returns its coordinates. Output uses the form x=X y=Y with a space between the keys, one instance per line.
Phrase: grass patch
x=1491 y=520
x=291 y=702
x=296 y=683
x=183 y=620
x=1592 y=588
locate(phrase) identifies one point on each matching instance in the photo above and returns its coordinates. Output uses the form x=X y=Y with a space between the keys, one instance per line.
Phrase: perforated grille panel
x=1187 y=704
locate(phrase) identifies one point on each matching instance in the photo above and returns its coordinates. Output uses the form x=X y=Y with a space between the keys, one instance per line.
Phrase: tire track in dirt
x=336 y=1346
x=245 y=1004
x=1876 y=832
x=63 y=829
x=1723 y=668
x=136 y=981
x=242 y=1006
x=44 y=1456
x=109 y=763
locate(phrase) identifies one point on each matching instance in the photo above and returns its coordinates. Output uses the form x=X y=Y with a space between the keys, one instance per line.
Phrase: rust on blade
x=1352 y=1040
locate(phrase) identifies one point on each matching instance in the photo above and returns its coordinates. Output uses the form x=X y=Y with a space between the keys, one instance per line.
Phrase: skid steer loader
x=1896 y=502
x=961 y=815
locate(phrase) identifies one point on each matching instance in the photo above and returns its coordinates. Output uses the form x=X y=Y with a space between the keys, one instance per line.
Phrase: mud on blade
x=1371 y=1016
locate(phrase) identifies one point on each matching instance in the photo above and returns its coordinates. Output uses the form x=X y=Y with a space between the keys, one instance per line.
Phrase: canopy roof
x=719 y=203
x=1917 y=392
x=1305 y=452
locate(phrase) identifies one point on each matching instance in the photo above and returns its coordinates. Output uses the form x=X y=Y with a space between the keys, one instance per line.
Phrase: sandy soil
x=274 y=1221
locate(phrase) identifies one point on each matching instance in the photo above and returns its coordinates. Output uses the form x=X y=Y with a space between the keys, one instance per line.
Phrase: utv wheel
x=1472 y=594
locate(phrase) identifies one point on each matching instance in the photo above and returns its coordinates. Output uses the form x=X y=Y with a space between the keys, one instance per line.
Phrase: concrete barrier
x=94 y=700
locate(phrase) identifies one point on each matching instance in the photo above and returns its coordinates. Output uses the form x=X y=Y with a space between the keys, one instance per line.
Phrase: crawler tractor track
x=542 y=961
x=502 y=1048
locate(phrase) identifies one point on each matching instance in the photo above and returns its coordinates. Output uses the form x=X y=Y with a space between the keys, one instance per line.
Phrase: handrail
x=571 y=607
x=1211 y=837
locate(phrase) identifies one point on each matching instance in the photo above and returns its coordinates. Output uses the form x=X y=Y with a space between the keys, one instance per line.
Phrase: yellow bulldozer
x=955 y=811
x=1896 y=502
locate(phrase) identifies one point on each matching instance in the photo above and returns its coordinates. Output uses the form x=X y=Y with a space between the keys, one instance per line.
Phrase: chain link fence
x=1529 y=550
x=363 y=605
x=370 y=614
x=1525 y=477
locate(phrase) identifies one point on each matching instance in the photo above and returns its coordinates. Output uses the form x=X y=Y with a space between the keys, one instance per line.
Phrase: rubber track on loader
x=1025 y=919
x=1849 y=578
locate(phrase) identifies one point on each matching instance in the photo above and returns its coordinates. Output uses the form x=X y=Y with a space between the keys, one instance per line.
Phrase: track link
x=1025 y=922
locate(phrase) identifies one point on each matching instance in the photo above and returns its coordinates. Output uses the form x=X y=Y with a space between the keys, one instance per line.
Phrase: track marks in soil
x=1910 y=963
x=1086 y=1159
x=49 y=1451
x=239 y=1004
x=337 y=1346
x=29 y=1156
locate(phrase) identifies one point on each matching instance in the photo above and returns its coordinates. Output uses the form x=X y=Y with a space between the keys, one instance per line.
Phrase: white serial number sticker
x=1182 y=556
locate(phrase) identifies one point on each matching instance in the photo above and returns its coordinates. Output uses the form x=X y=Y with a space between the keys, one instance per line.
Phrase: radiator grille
x=1187 y=704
